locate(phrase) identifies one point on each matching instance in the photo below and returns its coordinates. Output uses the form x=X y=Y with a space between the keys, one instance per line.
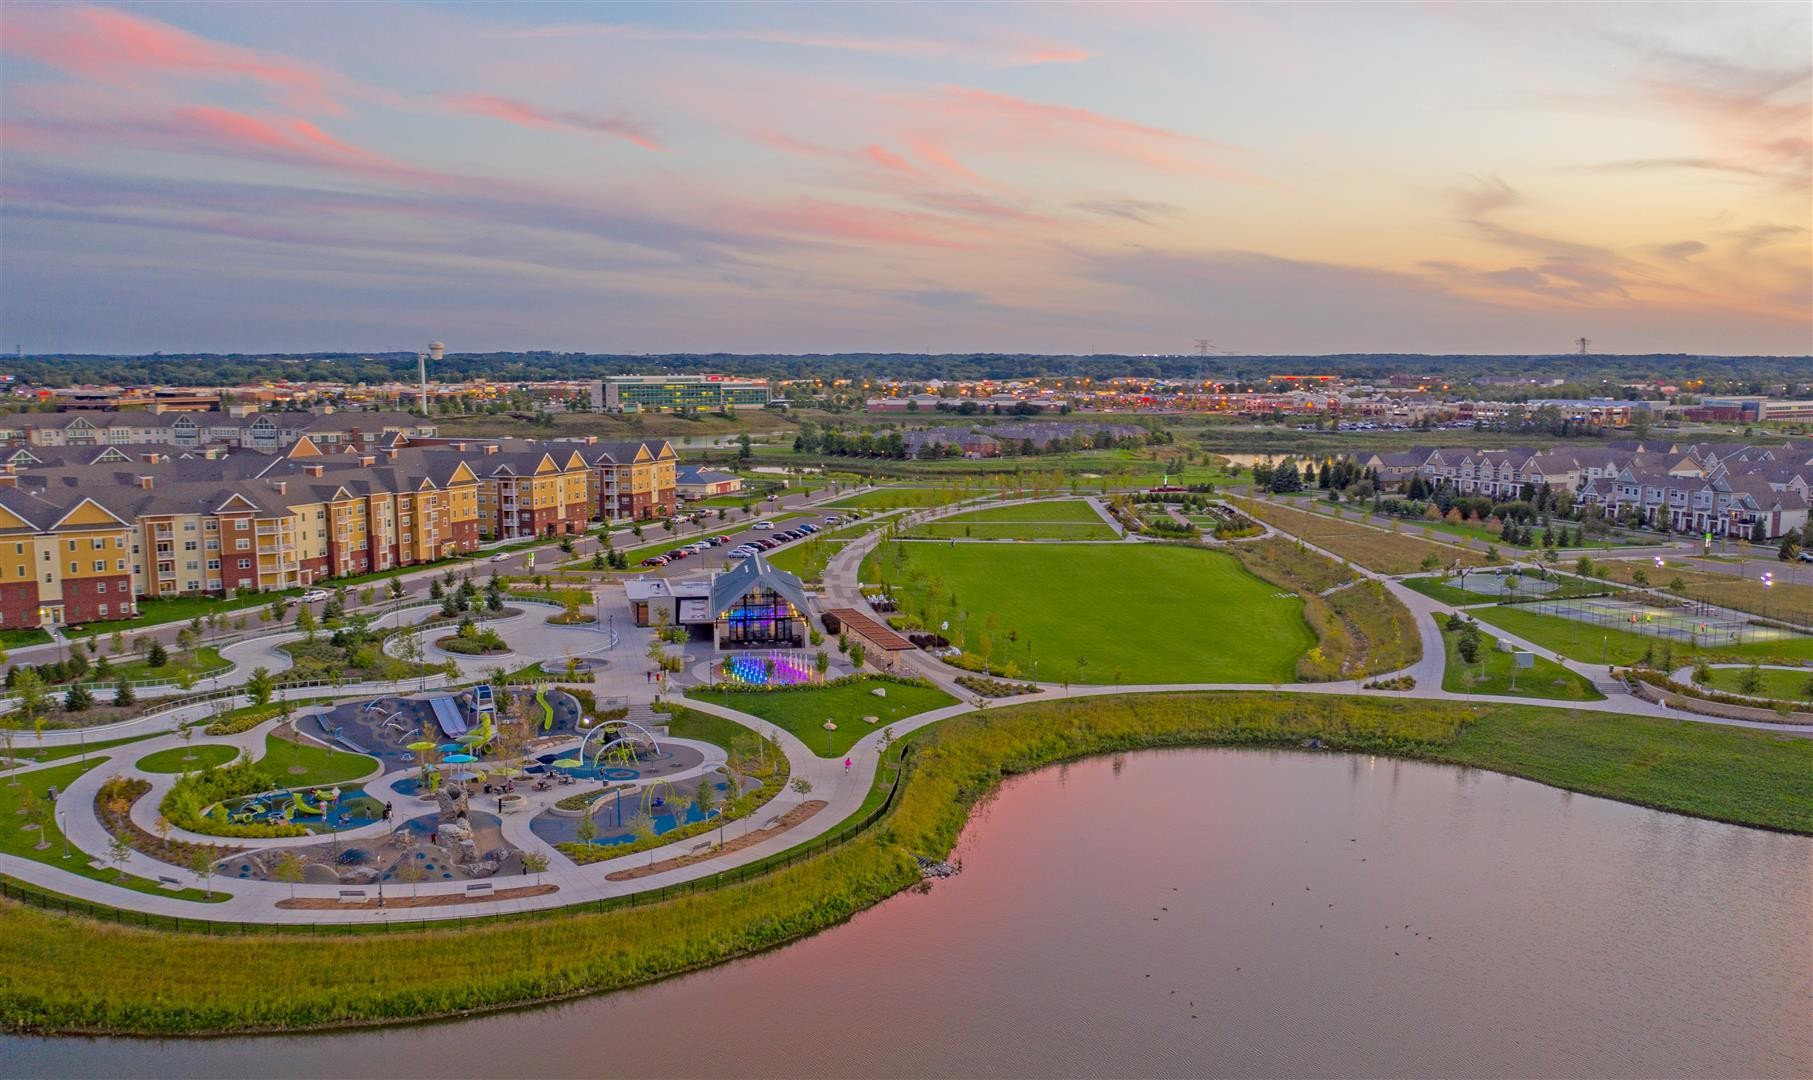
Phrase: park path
x=843 y=789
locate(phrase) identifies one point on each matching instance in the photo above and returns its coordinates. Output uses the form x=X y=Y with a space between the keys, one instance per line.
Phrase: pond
x=1190 y=912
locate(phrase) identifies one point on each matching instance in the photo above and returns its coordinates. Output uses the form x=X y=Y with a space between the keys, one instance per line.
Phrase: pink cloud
x=530 y=116
x=844 y=222
x=994 y=49
x=893 y=162
x=114 y=47
x=1001 y=120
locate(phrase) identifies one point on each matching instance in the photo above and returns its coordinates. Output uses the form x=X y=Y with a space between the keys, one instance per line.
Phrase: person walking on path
x=846 y=764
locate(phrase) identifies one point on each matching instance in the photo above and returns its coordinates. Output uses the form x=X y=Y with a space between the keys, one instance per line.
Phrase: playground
x=426 y=848
x=615 y=814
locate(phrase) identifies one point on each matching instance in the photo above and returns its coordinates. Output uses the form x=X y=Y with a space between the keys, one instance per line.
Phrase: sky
x=1050 y=178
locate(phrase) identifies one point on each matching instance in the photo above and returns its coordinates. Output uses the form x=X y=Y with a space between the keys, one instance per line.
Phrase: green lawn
x=202 y=663
x=1603 y=645
x=16 y=839
x=13 y=639
x=1133 y=613
x=1492 y=674
x=156 y=612
x=205 y=755
x=897 y=495
x=320 y=765
x=26 y=749
x=1006 y=530
x=1796 y=686
x=804 y=712
x=1074 y=510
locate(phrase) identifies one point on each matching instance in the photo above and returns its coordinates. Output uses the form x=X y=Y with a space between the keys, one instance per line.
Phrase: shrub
x=242 y=719
x=186 y=800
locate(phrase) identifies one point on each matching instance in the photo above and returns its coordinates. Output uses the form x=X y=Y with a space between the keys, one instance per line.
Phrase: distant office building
x=678 y=393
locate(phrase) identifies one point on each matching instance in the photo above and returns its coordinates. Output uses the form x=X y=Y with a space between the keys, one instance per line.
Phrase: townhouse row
x=1723 y=489
x=85 y=533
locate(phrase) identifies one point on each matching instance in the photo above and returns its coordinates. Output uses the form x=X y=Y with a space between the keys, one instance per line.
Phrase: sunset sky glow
x=1114 y=177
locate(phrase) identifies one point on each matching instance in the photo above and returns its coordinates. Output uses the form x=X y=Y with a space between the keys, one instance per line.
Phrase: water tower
x=435 y=351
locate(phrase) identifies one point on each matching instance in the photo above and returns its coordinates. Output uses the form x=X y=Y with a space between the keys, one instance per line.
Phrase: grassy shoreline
x=70 y=975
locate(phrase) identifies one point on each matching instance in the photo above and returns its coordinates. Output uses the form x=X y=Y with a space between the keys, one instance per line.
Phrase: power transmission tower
x=1203 y=345
x=1583 y=343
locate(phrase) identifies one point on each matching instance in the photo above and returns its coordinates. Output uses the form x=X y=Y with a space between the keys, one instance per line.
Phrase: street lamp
x=63 y=824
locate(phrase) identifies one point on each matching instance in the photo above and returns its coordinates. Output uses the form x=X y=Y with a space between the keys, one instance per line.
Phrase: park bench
x=478 y=887
x=164 y=881
x=352 y=896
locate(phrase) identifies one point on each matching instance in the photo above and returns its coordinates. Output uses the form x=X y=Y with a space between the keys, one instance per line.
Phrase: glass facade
x=682 y=393
x=761 y=617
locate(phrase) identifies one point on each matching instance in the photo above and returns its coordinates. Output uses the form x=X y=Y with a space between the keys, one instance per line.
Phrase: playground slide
x=447 y=713
x=303 y=807
x=547 y=719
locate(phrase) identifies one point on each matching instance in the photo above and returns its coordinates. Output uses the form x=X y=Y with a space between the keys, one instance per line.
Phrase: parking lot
x=719 y=557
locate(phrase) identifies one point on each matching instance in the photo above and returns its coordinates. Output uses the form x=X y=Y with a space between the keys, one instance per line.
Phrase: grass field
x=1071 y=510
x=26 y=748
x=1602 y=645
x=1007 y=530
x=17 y=839
x=1782 y=685
x=319 y=764
x=804 y=712
x=1376 y=549
x=1448 y=591
x=899 y=495
x=1492 y=674
x=156 y=611
x=1101 y=613
x=59 y=973
x=203 y=755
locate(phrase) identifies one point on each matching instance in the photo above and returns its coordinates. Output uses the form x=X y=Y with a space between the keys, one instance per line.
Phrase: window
x=212 y=525
x=98 y=543
x=188 y=545
x=72 y=545
x=245 y=564
x=191 y=564
x=242 y=544
x=120 y=565
x=101 y=610
x=100 y=587
x=74 y=568
x=239 y=525
x=214 y=564
x=100 y=566
x=188 y=526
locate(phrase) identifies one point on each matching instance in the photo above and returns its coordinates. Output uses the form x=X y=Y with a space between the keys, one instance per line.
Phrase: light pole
x=63 y=825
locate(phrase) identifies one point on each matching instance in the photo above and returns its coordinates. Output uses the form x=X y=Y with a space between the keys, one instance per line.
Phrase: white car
x=315 y=596
x=764 y=525
x=502 y=556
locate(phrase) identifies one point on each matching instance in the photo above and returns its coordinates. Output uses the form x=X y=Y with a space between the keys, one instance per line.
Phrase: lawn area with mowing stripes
x=1155 y=614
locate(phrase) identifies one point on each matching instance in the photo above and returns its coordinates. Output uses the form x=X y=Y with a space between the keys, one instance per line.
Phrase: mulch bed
x=394 y=900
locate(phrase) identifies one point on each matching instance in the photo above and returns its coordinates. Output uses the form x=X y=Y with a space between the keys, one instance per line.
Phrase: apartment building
x=1718 y=488
x=266 y=432
x=525 y=488
x=634 y=480
x=62 y=561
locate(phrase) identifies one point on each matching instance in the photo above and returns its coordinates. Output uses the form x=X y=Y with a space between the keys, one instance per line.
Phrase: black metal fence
x=26 y=893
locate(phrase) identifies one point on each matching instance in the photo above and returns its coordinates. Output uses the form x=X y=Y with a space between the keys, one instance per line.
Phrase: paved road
x=842 y=788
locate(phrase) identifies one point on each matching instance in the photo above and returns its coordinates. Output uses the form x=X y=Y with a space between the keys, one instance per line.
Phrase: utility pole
x=1203 y=345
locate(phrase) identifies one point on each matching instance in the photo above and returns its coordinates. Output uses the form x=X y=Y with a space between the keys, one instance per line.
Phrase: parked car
x=763 y=525
x=315 y=595
x=655 y=560
x=722 y=539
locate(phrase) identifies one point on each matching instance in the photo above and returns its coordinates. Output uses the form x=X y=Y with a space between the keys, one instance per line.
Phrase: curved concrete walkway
x=843 y=789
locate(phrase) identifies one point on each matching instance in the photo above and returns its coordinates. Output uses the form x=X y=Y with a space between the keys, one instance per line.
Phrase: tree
x=156 y=656
x=642 y=827
x=821 y=662
x=705 y=797
x=1702 y=672
x=1584 y=566
x=119 y=852
x=856 y=654
x=261 y=686
x=412 y=872
x=122 y=693
x=1750 y=680
x=28 y=687
x=801 y=786
x=77 y=699
x=534 y=862
x=587 y=829
x=289 y=868
x=305 y=622
x=1467 y=645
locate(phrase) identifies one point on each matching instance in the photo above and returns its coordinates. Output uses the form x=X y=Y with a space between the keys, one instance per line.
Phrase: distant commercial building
x=1748 y=410
x=678 y=393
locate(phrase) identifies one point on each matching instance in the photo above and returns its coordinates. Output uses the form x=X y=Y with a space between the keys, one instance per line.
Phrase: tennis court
x=1692 y=623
